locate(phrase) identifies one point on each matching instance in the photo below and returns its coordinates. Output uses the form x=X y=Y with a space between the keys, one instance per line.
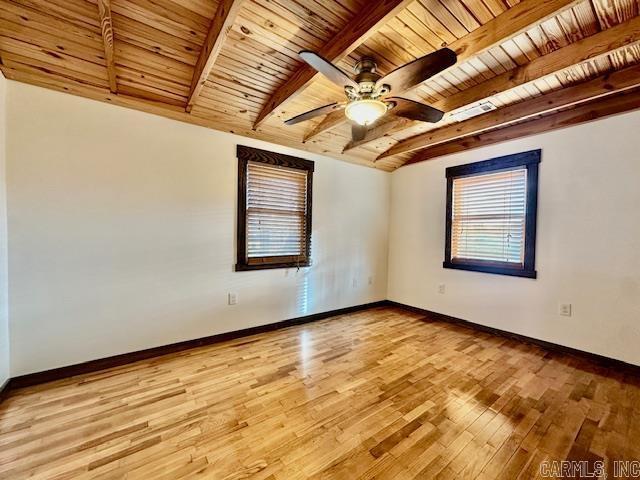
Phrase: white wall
x=122 y=231
x=4 y=310
x=122 y=228
x=588 y=245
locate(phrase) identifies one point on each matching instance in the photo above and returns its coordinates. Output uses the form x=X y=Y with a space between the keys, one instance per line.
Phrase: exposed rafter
x=153 y=57
x=589 y=48
x=330 y=121
x=510 y=24
x=353 y=34
x=550 y=102
x=514 y=21
x=378 y=131
x=106 y=25
x=609 y=105
x=222 y=22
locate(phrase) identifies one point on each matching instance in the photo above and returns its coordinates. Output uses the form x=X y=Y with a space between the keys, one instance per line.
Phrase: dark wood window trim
x=530 y=159
x=245 y=155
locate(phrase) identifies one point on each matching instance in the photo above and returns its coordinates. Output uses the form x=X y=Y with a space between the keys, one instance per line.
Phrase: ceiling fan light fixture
x=365 y=112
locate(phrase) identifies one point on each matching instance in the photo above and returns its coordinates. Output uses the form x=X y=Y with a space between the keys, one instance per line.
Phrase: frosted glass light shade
x=365 y=112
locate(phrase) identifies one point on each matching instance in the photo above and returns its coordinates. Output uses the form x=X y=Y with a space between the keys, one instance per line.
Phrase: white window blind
x=276 y=212
x=488 y=216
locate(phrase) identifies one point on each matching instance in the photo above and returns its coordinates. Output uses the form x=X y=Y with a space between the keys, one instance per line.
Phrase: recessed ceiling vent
x=474 y=111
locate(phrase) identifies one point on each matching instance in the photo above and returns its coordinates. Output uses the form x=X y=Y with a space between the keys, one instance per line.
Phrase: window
x=491 y=215
x=274 y=210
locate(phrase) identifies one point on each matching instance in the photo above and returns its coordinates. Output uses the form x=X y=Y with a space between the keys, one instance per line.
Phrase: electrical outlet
x=355 y=283
x=233 y=298
x=441 y=288
x=370 y=280
x=565 y=309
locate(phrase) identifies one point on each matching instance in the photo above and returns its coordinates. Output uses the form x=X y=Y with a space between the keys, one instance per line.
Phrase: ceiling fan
x=368 y=93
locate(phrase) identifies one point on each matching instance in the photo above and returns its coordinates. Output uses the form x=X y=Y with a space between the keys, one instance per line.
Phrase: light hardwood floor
x=374 y=394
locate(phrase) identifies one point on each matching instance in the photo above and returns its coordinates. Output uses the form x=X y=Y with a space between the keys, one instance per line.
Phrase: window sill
x=269 y=266
x=495 y=269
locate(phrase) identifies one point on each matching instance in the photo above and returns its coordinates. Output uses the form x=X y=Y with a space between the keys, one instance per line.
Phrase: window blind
x=276 y=212
x=488 y=217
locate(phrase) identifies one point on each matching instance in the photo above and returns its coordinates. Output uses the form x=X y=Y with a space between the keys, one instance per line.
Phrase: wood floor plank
x=382 y=393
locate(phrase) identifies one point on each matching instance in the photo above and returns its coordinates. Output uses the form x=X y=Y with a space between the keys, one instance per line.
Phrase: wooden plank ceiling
x=232 y=65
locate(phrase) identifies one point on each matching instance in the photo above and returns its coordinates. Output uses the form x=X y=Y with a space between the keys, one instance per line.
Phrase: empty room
x=319 y=239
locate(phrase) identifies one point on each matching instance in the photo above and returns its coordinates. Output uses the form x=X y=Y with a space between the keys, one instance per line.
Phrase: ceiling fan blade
x=415 y=110
x=416 y=72
x=327 y=68
x=358 y=132
x=316 y=112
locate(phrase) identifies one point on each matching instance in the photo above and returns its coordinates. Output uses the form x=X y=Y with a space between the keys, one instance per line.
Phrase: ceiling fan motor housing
x=366 y=64
x=368 y=92
x=366 y=78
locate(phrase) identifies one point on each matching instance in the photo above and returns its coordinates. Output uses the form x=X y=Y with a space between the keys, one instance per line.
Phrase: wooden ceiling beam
x=585 y=112
x=574 y=53
x=332 y=120
x=587 y=49
x=106 y=26
x=366 y=22
x=221 y=24
x=379 y=130
x=507 y=25
x=604 y=85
